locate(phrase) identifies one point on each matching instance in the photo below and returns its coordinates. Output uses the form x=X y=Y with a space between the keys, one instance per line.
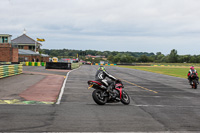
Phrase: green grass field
x=75 y=65
x=172 y=71
x=178 y=64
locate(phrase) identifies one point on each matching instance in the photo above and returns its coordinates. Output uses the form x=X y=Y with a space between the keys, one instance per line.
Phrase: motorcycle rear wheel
x=98 y=98
x=125 y=98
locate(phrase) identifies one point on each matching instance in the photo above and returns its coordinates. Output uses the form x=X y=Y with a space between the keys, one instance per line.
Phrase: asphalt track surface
x=159 y=103
x=35 y=85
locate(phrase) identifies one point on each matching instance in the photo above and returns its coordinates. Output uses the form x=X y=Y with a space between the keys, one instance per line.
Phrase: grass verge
x=172 y=71
x=75 y=65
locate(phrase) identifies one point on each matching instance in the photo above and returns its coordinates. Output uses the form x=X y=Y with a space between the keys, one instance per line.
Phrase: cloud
x=149 y=23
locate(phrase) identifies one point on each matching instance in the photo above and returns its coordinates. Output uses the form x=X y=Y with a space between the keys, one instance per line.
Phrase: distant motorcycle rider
x=101 y=75
x=192 y=73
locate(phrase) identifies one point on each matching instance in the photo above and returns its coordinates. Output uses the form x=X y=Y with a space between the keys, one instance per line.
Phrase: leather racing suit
x=191 y=73
x=101 y=75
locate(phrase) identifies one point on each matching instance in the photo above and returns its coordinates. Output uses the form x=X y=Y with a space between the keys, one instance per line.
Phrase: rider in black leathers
x=192 y=72
x=101 y=75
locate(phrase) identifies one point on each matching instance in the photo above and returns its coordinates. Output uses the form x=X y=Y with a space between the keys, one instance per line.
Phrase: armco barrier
x=58 y=65
x=10 y=70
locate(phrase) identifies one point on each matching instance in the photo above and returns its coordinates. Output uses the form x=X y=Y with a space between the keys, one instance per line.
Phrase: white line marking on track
x=169 y=106
x=63 y=87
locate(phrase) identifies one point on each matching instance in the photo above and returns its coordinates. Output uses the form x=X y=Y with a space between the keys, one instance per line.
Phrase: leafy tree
x=116 y=59
x=173 y=56
x=123 y=57
x=193 y=59
x=143 y=58
x=111 y=58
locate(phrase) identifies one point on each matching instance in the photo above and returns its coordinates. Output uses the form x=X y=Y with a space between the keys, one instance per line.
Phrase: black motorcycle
x=101 y=96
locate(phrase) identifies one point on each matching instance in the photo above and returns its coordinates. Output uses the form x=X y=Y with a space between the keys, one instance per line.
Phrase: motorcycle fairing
x=119 y=88
x=97 y=82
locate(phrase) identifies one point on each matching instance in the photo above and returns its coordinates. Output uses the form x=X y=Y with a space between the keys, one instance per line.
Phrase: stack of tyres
x=10 y=70
x=38 y=64
x=16 y=69
x=20 y=69
x=43 y=64
x=34 y=63
x=5 y=63
x=27 y=63
x=24 y=63
x=1 y=71
x=5 y=71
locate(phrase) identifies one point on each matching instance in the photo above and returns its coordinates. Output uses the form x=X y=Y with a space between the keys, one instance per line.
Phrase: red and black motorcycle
x=101 y=96
x=194 y=81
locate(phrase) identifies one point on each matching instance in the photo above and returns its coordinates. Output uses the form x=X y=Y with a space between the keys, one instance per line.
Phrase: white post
x=35 y=45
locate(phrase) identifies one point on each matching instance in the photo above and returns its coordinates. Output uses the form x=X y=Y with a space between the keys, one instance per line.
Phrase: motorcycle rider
x=192 y=72
x=101 y=75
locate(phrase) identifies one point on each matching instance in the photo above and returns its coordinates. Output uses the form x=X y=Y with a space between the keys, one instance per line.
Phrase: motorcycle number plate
x=90 y=87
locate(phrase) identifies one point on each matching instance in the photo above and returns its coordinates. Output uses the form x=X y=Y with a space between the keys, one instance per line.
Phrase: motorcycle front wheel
x=125 y=98
x=98 y=97
x=194 y=84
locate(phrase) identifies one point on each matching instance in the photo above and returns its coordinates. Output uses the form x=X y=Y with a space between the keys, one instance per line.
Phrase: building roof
x=44 y=55
x=27 y=52
x=97 y=56
x=5 y=35
x=24 y=39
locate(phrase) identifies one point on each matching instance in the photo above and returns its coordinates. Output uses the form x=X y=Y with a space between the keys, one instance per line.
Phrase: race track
x=158 y=103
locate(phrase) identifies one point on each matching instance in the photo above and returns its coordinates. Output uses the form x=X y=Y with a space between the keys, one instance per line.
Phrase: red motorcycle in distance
x=101 y=96
x=194 y=82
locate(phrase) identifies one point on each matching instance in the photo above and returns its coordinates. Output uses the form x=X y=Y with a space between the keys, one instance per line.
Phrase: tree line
x=123 y=57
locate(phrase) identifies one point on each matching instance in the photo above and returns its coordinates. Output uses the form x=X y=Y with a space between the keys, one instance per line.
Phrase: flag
x=40 y=40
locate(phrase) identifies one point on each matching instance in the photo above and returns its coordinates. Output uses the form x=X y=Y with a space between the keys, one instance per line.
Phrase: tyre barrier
x=5 y=63
x=98 y=64
x=133 y=64
x=10 y=70
x=33 y=63
x=166 y=65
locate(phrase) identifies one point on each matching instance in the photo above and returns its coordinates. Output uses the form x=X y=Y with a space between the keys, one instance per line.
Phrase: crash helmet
x=192 y=67
x=102 y=68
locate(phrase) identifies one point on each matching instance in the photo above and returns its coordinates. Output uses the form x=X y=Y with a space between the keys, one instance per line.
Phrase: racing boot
x=109 y=89
x=111 y=93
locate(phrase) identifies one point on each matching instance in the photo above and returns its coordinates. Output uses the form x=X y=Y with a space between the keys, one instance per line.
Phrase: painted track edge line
x=63 y=86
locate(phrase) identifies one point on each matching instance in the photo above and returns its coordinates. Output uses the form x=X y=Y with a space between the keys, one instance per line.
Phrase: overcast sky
x=114 y=25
